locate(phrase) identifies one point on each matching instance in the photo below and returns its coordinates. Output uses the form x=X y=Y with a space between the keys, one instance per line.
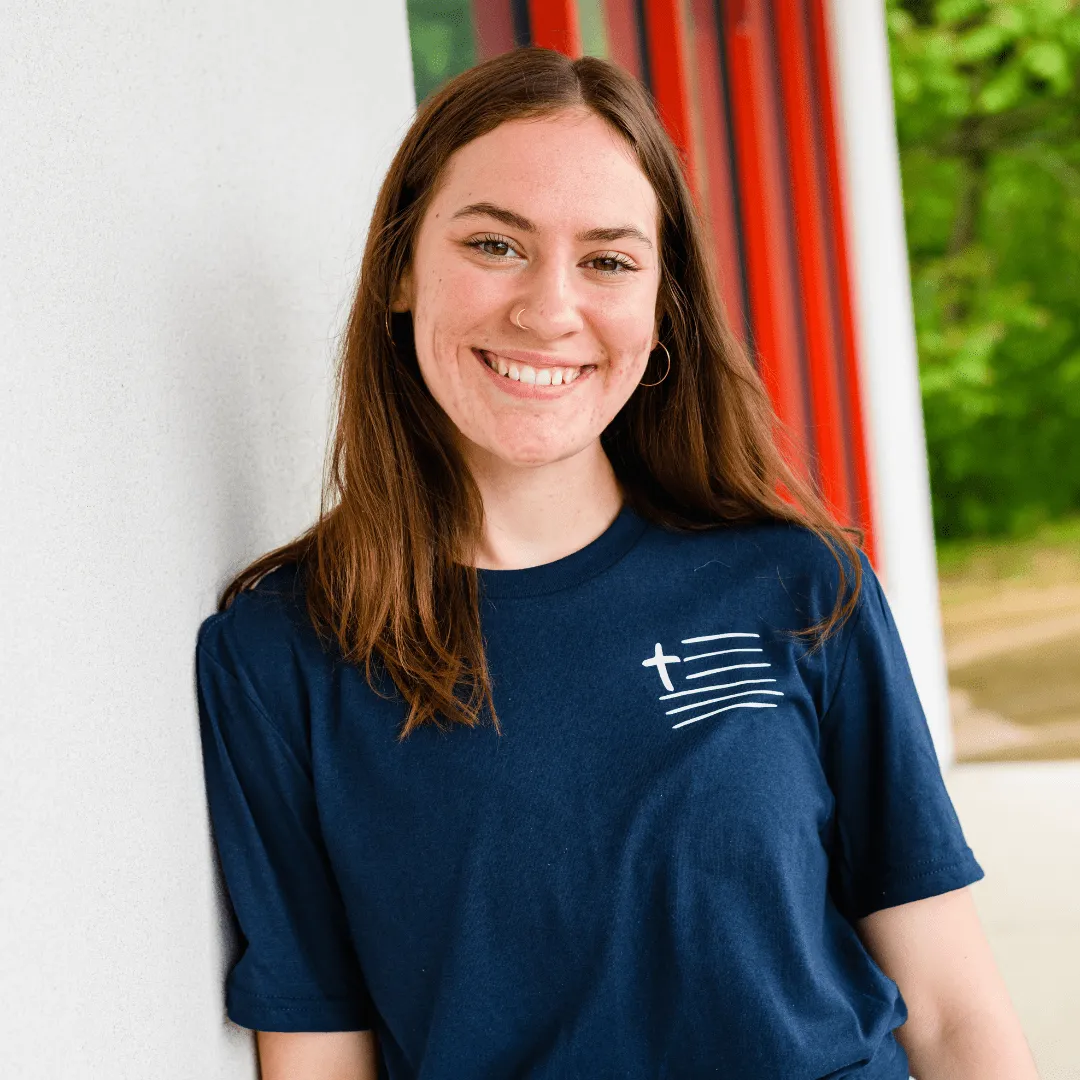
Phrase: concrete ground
x=1013 y=652
x=1022 y=820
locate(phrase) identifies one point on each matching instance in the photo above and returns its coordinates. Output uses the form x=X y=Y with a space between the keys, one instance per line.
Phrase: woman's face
x=551 y=224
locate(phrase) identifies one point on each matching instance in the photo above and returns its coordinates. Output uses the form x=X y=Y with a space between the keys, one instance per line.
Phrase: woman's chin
x=527 y=456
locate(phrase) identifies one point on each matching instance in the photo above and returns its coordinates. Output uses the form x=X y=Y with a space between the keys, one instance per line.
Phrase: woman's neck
x=537 y=514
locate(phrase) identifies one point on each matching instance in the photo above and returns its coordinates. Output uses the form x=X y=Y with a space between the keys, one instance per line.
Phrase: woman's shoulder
x=267 y=608
x=781 y=572
x=265 y=635
x=786 y=551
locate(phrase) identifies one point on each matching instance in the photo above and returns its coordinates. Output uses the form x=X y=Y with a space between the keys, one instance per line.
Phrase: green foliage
x=1048 y=555
x=443 y=42
x=988 y=118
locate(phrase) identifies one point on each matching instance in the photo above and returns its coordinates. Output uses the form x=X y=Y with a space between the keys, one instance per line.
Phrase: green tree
x=443 y=42
x=988 y=121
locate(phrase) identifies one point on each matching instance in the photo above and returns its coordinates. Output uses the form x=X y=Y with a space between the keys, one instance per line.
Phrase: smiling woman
x=574 y=738
x=534 y=303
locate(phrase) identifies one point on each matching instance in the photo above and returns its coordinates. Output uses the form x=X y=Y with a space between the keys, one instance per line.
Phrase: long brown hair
x=386 y=565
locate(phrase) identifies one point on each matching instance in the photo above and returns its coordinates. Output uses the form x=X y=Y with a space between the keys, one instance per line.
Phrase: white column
x=893 y=406
x=185 y=189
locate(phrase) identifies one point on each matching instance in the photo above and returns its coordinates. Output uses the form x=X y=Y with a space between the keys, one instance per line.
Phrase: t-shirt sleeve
x=897 y=837
x=297 y=970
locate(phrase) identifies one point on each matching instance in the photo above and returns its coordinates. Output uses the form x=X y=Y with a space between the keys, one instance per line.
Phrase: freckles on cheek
x=444 y=343
x=630 y=360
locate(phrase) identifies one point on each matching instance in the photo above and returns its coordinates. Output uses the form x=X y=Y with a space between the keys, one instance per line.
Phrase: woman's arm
x=961 y=1023
x=317 y=1055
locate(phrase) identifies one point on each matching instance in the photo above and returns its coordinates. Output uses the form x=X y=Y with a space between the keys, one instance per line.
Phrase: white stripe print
x=715 y=686
x=720 y=652
x=718 y=670
x=714 y=637
x=662 y=661
x=737 y=705
x=699 y=703
x=725 y=697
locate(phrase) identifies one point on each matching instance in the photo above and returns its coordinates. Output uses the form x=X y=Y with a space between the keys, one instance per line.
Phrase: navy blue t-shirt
x=654 y=872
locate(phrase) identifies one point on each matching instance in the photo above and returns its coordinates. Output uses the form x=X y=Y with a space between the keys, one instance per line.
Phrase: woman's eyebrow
x=523 y=224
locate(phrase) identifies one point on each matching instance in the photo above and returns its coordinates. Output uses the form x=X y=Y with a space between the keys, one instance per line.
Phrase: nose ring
x=517 y=319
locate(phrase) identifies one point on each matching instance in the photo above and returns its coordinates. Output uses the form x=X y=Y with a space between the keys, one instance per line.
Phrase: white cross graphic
x=659 y=661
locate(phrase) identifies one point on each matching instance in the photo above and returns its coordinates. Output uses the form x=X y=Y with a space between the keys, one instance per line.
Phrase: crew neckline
x=610 y=546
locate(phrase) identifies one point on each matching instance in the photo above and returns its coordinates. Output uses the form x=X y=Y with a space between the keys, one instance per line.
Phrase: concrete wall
x=890 y=365
x=185 y=189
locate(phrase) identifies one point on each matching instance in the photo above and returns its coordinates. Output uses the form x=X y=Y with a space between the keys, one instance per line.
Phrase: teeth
x=526 y=374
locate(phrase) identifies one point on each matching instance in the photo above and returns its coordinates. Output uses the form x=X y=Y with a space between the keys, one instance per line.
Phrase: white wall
x=890 y=367
x=184 y=193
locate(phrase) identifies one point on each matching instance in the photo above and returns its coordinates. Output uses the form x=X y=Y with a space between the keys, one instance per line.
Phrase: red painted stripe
x=711 y=128
x=807 y=189
x=555 y=25
x=622 y=34
x=770 y=286
x=665 y=34
x=494 y=28
x=837 y=203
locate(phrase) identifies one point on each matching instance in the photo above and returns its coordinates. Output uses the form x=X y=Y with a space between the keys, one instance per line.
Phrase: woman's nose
x=552 y=307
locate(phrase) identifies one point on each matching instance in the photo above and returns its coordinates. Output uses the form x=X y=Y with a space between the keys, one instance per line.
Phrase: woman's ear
x=656 y=330
x=402 y=300
x=658 y=321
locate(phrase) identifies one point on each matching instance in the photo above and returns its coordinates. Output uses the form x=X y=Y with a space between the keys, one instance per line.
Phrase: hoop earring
x=665 y=375
x=517 y=319
x=386 y=323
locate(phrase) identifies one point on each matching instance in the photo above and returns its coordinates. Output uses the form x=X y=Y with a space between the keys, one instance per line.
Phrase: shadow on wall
x=250 y=400
x=244 y=407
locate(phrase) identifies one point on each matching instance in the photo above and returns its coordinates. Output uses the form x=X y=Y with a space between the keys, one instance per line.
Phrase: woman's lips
x=530 y=390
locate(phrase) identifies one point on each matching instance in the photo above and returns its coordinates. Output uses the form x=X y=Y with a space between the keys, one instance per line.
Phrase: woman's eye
x=611 y=266
x=493 y=246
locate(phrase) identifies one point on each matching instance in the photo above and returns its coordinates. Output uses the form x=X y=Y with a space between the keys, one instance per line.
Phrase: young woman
x=575 y=739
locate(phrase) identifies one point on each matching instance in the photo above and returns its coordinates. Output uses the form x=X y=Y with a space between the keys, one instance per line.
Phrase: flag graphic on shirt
x=734 y=672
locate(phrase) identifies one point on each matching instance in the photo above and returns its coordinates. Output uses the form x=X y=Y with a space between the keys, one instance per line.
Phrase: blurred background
x=987 y=121
x=987 y=101
x=988 y=124
x=892 y=193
